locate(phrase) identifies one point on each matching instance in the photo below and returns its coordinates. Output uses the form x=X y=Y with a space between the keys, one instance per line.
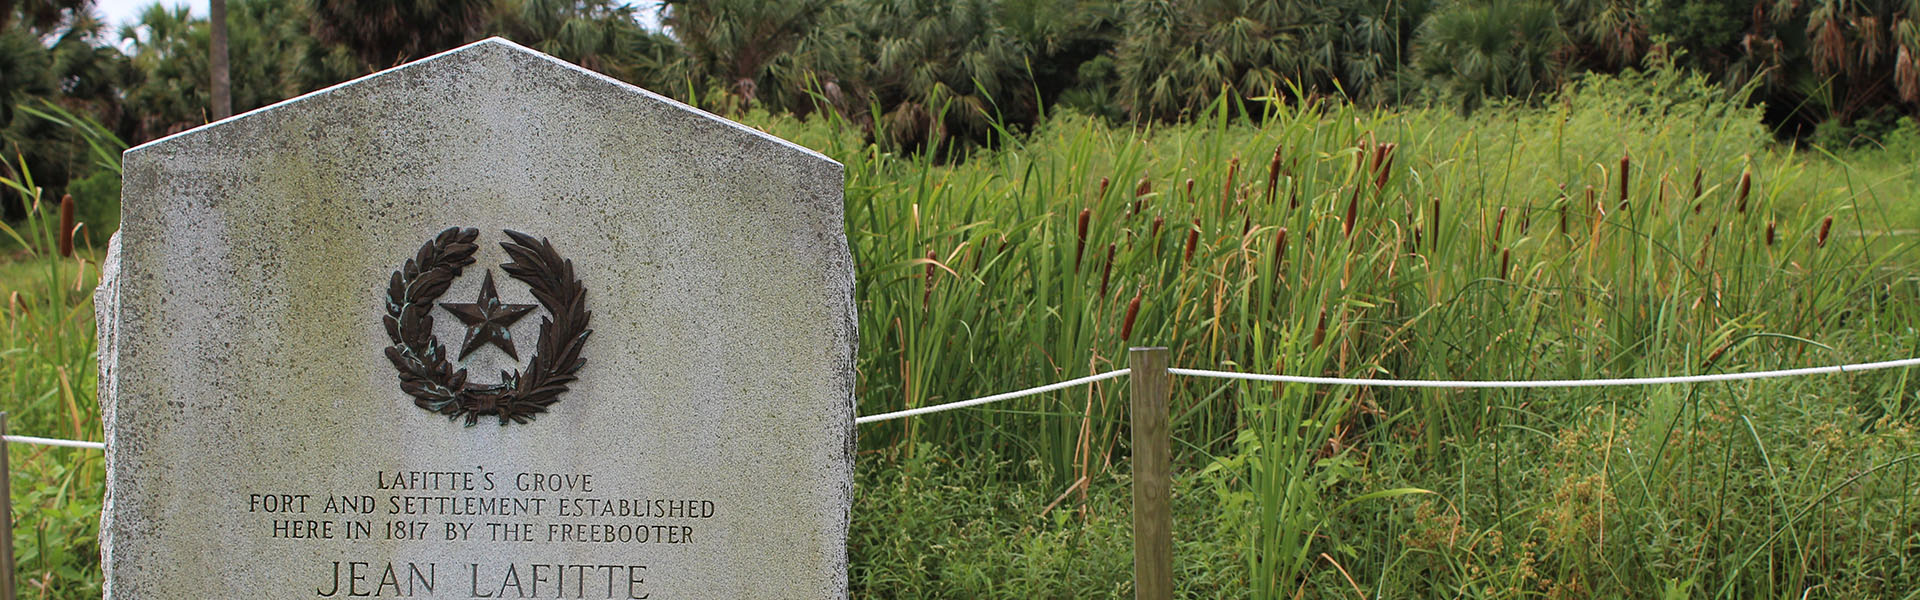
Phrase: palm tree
x=221 y=75
x=1177 y=56
x=937 y=71
x=602 y=36
x=1482 y=50
x=383 y=33
x=737 y=42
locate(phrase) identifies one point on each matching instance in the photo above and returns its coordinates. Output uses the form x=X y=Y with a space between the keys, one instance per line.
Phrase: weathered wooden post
x=6 y=514
x=1152 y=475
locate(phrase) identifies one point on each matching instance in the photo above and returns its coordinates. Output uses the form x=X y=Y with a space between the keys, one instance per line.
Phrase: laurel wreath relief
x=425 y=372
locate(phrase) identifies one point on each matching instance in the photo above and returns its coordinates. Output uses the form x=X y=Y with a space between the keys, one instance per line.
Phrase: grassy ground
x=1633 y=227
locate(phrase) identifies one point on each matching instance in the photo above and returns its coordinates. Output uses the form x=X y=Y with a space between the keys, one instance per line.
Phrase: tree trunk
x=222 y=84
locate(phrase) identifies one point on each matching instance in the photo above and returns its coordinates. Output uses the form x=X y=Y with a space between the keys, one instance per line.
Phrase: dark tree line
x=943 y=74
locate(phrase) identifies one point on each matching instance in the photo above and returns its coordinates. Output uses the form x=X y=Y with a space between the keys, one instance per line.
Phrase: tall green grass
x=47 y=370
x=1636 y=226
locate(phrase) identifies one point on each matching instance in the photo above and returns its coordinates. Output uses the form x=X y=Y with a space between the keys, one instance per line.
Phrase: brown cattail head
x=1740 y=194
x=926 y=300
x=1104 y=182
x=1107 y=271
x=1193 y=239
x=1189 y=190
x=1696 y=188
x=1383 y=164
x=1226 y=191
x=1143 y=188
x=1353 y=214
x=1126 y=324
x=1626 y=170
x=1434 y=216
x=1499 y=223
x=66 y=225
x=1273 y=174
x=1826 y=227
x=1505 y=256
x=1279 y=249
x=1563 y=219
x=1770 y=233
x=1320 y=331
x=1158 y=221
x=1080 y=232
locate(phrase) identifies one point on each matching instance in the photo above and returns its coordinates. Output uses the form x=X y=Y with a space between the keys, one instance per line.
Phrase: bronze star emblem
x=487 y=320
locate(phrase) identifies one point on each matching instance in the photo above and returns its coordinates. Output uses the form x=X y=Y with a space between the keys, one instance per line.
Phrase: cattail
x=1505 y=254
x=1696 y=188
x=66 y=225
x=1193 y=239
x=1626 y=169
x=1104 y=182
x=1080 y=248
x=1126 y=324
x=1436 y=222
x=1320 y=331
x=1140 y=192
x=1563 y=219
x=926 y=300
x=1769 y=233
x=1189 y=190
x=1279 y=251
x=1826 y=227
x=1273 y=174
x=1499 y=223
x=1353 y=214
x=1158 y=220
x=1226 y=192
x=1383 y=164
x=1526 y=220
x=1106 y=272
x=1416 y=241
x=1740 y=194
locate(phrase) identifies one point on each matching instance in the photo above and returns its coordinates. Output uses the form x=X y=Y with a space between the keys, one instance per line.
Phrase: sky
x=125 y=12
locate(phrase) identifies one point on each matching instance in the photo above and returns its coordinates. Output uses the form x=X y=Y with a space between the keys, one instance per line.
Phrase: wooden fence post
x=6 y=515
x=1152 y=475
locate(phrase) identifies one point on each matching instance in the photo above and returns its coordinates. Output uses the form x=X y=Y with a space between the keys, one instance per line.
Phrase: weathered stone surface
x=253 y=415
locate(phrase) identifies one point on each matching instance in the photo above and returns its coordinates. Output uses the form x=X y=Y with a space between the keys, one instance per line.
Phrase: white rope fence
x=1407 y=383
x=990 y=399
x=1552 y=383
x=40 y=441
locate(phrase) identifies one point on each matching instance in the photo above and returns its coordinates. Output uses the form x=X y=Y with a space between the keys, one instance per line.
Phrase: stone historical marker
x=486 y=325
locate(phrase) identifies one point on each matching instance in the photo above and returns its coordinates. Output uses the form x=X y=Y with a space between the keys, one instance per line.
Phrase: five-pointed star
x=487 y=320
